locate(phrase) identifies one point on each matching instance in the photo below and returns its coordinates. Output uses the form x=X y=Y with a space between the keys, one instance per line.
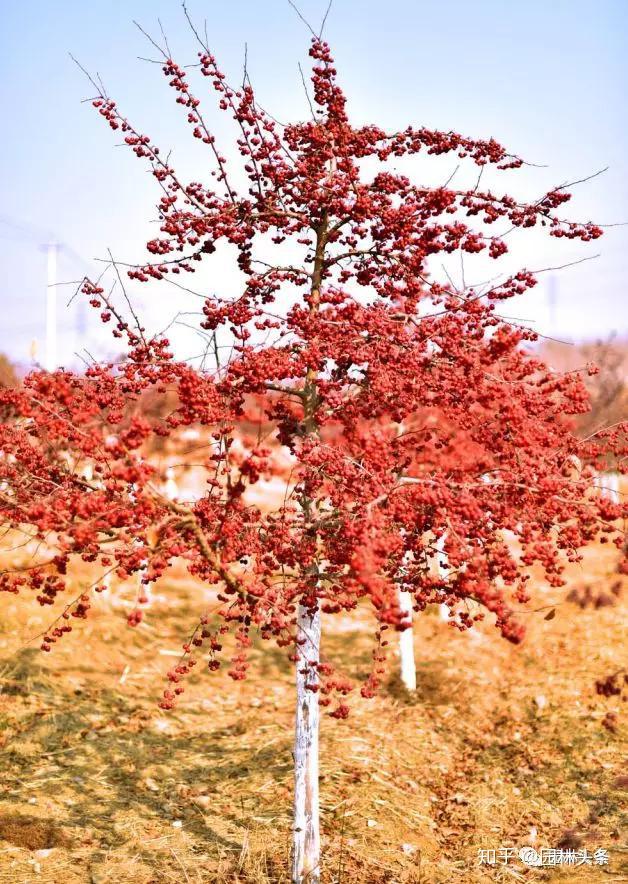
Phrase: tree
x=8 y=375
x=392 y=393
x=606 y=383
x=609 y=403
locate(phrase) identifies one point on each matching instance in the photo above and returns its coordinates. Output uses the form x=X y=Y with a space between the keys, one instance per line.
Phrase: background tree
x=340 y=335
x=608 y=388
x=8 y=375
x=606 y=383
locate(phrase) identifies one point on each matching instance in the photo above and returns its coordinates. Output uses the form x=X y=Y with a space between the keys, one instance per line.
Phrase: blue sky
x=547 y=79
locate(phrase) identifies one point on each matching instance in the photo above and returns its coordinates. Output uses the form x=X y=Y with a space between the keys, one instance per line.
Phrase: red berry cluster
x=389 y=410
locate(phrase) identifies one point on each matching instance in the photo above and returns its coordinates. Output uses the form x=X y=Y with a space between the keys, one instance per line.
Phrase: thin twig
x=320 y=33
x=303 y=19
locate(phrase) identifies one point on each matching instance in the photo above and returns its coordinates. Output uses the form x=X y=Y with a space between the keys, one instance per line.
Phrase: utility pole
x=51 y=307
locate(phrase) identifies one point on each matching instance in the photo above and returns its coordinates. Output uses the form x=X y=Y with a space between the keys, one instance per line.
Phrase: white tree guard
x=306 y=833
x=406 y=642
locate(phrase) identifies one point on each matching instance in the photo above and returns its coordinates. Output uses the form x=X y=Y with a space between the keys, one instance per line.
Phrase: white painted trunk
x=101 y=600
x=143 y=590
x=441 y=563
x=406 y=643
x=608 y=486
x=171 y=489
x=306 y=833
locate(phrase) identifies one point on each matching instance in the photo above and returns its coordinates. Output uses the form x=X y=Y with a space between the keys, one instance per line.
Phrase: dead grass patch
x=501 y=746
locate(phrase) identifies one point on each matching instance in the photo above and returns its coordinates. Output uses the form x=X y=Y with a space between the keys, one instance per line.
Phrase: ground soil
x=501 y=746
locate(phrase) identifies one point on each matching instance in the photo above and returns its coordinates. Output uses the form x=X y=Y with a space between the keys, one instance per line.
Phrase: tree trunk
x=406 y=643
x=441 y=565
x=306 y=835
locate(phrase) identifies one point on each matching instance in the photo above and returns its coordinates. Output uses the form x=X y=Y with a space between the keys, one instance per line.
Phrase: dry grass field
x=501 y=746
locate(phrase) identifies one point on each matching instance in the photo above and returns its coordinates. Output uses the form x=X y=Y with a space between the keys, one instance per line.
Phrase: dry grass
x=499 y=743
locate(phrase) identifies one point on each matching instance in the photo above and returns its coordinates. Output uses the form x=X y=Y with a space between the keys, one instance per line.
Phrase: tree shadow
x=433 y=685
x=126 y=768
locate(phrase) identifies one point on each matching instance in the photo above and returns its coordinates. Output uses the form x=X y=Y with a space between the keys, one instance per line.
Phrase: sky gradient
x=545 y=79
